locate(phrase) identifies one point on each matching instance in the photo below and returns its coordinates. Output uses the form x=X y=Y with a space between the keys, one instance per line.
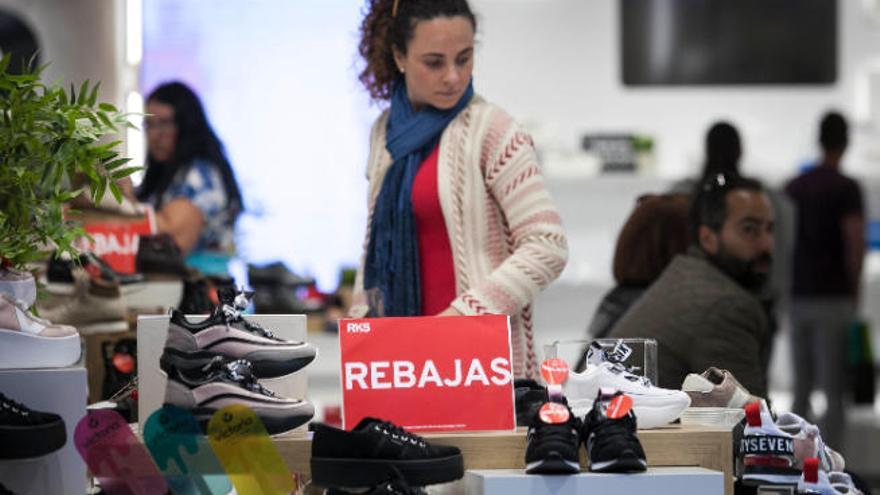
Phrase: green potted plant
x=48 y=136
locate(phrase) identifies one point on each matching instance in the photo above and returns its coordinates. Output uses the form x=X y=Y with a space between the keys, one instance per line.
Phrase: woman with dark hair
x=460 y=222
x=188 y=179
x=655 y=232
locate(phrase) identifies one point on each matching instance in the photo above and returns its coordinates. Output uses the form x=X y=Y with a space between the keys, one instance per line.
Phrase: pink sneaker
x=717 y=398
x=27 y=341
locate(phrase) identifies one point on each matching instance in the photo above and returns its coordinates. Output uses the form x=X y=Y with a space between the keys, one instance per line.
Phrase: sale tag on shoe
x=115 y=456
x=619 y=407
x=183 y=453
x=554 y=413
x=243 y=446
x=554 y=371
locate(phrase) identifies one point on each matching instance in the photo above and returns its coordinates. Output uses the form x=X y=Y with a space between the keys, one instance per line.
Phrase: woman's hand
x=450 y=311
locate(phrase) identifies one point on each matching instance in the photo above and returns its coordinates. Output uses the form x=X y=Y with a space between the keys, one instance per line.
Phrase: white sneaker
x=653 y=406
x=808 y=443
x=815 y=481
x=767 y=452
x=18 y=285
x=27 y=341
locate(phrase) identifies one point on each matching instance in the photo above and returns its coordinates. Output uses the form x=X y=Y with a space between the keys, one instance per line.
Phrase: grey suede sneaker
x=717 y=398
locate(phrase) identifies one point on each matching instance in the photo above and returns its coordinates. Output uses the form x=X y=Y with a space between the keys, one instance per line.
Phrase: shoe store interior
x=614 y=246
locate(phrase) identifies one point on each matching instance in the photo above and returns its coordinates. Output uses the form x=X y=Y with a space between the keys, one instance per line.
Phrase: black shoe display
x=553 y=441
x=611 y=442
x=60 y=270
x=25 y=433
x=203 y=390
x=375 y=451
x=226 y=332
x=529 y=396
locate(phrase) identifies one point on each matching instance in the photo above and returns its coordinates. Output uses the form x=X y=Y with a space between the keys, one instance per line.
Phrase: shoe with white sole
x=93 y=307
x=815 y=481
x=27 y=341
x=717 y=399
x=654 y=406
x=808 y=443
x=19 y=285
x=767 y=451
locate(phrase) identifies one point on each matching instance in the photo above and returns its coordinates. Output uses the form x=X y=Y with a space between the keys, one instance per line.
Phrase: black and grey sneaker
x=553 y=441
x=609 y=434
x=205 y=389
x=375 y=451
x=226 y=332
x=25 y=433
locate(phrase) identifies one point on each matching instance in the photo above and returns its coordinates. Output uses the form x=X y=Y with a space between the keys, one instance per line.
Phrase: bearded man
x=703 y=310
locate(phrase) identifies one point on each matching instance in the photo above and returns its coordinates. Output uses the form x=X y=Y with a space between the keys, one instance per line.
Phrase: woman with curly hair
x=460 y=222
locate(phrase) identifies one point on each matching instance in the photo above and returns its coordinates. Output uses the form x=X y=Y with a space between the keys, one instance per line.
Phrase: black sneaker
x=227 y=333
x=612 y=445
x=25 y=433
x=529 y=397
x=553 y=441
x=376 y=451
x=394 y=486
x=203 y=390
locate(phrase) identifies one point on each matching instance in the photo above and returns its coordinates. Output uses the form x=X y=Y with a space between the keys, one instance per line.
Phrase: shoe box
x=153 y=330
x=61 y=391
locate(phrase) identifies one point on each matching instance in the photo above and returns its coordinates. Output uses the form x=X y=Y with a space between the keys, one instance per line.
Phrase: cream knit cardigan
x=505 y=232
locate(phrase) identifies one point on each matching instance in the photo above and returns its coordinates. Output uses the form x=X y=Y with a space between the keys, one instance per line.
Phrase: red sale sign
x=428 y=373
x=116 y=242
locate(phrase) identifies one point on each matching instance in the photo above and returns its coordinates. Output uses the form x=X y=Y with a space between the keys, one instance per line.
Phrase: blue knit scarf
x=392 y=263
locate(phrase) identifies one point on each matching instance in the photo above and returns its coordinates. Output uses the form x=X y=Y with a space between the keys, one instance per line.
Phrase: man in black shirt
x=829 y=249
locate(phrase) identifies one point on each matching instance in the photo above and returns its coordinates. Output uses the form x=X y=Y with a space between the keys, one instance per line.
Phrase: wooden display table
x=674 y=445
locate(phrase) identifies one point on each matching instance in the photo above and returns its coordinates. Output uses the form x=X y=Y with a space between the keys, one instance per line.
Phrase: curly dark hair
x=383 y=29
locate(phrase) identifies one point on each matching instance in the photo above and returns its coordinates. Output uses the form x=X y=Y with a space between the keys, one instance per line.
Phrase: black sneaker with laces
x=375 y=451
x=609 y=434
x=529 y=396
x=553 y=441
x=25 y=433
x=226 y=332
x=205 y=389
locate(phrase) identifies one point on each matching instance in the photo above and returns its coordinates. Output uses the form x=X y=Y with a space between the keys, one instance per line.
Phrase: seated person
x=188 y=179
x=703 y=310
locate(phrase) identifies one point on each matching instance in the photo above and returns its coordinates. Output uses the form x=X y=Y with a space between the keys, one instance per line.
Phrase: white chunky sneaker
x=27 y=341
x=653 y=406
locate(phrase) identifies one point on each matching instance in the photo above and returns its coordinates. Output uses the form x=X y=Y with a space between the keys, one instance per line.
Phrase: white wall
x=556 y=62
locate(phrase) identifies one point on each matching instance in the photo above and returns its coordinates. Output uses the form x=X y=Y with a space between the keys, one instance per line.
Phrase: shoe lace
x=238 y=371
x=625 y=372
x=233 y=314
x=13 y=407
x=397 y=432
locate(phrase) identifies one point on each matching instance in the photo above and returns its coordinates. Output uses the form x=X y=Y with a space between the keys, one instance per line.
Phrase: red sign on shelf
x=116 y=242
x=428 y=373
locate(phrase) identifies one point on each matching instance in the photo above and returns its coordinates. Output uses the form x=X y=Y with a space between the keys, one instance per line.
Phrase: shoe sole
x=627 y=462
x=553 y=463
x=355 y=473
x=712 y=416
x=21 y=350
x=25 y=442
x=274 y=425
x=261 y=368
x=761 y=475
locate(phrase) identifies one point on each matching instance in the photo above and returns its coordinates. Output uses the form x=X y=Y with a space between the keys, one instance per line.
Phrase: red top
x=435 y=253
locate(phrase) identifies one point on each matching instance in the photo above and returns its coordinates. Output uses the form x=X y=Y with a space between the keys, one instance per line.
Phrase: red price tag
x=554 y=371
x=619 y=407
x=554 y=413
